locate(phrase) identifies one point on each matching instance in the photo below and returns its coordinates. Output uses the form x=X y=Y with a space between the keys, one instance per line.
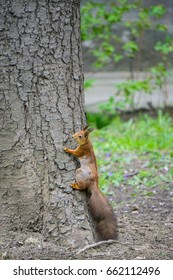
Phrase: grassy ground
x=141 y=139
x=135 y=160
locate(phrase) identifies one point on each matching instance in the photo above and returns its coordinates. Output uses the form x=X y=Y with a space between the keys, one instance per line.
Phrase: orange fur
x=87 y=179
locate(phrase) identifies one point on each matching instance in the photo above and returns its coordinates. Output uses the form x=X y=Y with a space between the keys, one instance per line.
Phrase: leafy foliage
x=100 y=24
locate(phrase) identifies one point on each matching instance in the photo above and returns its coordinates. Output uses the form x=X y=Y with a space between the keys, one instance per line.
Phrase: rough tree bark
x=41 y=104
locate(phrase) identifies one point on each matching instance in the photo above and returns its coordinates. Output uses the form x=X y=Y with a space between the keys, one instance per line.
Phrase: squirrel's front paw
x=75 y=186
x=66 y=150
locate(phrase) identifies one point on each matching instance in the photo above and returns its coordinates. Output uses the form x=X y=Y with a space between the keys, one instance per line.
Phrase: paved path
x=104 y=87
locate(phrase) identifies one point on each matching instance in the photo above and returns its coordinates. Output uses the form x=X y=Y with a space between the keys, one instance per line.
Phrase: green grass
x=144 y=134
x=144 y=141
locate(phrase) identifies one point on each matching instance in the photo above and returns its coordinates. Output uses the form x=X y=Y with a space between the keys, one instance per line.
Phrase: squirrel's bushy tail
x=103 y=216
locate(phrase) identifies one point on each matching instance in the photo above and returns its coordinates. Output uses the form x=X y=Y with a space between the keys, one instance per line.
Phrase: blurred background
x=128 y=54
x=128 y=64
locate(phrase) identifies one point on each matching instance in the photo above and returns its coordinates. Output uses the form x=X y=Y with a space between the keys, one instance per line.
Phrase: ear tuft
x=85 y=128
x=90 y=129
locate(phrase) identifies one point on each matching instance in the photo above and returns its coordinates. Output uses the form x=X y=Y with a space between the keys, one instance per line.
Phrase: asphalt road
x=104 y=88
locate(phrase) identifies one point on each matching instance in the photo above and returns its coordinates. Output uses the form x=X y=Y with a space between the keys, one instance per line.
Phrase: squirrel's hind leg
x=81 y=182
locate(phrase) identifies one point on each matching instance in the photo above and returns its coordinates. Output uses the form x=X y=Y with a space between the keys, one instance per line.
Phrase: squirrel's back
x=103 y=216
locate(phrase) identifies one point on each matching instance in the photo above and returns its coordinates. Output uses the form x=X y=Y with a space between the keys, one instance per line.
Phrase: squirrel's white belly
x=84 y=161
x=84 y=172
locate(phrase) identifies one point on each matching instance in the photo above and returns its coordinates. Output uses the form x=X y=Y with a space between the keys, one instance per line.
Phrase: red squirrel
x=87 y=179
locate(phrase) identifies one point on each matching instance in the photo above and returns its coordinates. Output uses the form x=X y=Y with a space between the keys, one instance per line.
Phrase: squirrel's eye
x=80 y=136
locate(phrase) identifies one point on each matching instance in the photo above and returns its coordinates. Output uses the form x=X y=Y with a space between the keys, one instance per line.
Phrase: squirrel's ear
x=90 y=129
x=85 y=128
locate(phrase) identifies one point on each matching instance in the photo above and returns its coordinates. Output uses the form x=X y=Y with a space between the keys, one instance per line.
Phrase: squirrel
x=87 y=179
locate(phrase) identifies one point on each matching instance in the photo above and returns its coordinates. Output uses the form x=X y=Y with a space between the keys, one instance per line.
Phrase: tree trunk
x=41 y=105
